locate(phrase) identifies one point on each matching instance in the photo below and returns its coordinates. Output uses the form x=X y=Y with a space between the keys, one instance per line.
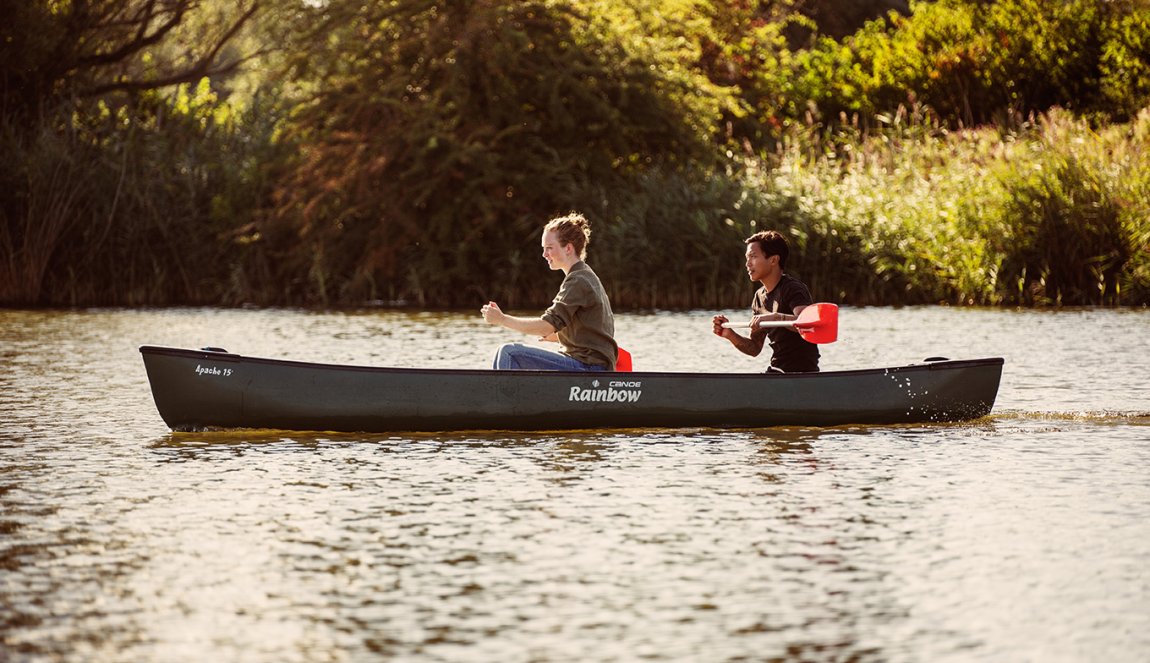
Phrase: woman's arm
x=535 y=326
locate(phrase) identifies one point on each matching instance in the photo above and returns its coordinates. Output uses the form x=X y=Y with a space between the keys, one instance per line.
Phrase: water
x=1022 y=536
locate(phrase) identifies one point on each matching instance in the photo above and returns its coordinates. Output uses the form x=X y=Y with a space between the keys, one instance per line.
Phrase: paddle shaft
x=816 y=323
x=744 y=325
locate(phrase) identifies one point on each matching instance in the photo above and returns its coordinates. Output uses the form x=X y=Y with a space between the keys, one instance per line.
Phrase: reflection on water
x=1021 y=536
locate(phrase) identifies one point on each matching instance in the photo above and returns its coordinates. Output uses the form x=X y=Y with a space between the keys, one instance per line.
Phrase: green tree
x=102 y=182
x=975 y=62
x=439 y=135
x=53 y=51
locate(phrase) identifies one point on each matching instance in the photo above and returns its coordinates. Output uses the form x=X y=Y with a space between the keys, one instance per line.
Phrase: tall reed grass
x=1048 y=211
x=43 y=185
x=139 y=205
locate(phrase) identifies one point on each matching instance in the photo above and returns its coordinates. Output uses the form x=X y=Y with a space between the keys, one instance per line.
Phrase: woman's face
x=557 y=257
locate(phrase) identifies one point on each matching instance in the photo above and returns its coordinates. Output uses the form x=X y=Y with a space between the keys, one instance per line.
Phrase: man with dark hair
x=781 y=297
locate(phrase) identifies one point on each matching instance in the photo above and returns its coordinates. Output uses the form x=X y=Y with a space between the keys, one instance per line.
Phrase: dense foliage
x=1050 y=212
x=337 y=153
x=439 y=135
x=976 y=62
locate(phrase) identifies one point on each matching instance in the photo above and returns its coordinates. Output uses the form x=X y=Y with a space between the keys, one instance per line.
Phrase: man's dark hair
x=771 y=243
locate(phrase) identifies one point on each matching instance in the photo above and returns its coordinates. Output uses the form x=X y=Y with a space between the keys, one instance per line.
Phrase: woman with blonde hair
x=579 y=318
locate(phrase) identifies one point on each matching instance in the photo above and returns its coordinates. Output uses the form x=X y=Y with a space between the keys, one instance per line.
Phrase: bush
x=146 y=203
x=976 y=62
x=1074 y=214
x=444 y=135
x=1053 y=213
x=673 y=239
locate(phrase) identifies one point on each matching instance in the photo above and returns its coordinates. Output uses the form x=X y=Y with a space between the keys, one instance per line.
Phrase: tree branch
x=204 y=66
x=187 y=76
x=141 y=39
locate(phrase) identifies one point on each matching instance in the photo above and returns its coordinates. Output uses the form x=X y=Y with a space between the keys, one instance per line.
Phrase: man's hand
x=717 y=323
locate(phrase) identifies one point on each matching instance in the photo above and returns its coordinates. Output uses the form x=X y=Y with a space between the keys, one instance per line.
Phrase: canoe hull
x=200 y=389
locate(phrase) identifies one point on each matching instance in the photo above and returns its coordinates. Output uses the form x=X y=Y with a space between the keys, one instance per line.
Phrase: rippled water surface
x=1024 y=536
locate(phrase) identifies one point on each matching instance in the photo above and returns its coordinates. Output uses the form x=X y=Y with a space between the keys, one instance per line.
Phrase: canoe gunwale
x=943 y=364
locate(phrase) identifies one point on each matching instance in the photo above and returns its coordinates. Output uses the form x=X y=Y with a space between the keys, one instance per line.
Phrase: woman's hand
x=492 y=313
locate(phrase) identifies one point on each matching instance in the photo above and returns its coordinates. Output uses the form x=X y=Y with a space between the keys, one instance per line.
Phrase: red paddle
x=817 y=323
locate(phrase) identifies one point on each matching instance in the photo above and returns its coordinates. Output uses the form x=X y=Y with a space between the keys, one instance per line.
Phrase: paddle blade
x=818 y=323
x=623 y=363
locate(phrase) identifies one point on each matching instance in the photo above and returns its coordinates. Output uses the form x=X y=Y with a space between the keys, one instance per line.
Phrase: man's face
x=759 y=266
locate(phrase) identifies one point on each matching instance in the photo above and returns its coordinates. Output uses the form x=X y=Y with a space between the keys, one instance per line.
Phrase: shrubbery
x=410 y=151
x=1049 y=212
x=152 y=203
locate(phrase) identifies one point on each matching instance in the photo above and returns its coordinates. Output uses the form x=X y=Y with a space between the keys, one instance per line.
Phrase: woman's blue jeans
x=529 y=357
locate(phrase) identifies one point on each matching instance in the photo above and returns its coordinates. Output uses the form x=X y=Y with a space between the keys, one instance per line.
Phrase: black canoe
x=204 y=389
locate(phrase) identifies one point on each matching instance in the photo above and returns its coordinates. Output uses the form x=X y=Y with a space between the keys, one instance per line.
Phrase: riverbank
x=1049 y=211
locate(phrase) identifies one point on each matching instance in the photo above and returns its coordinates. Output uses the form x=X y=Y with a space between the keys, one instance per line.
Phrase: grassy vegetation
x=161 y=212
x=1048 y=211
x=957 y=152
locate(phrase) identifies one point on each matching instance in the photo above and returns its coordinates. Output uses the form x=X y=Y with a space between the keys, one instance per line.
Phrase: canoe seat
x=623 y=363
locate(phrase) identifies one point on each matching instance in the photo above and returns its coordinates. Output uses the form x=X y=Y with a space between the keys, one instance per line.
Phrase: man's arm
x=777 y=317
x=749 y=346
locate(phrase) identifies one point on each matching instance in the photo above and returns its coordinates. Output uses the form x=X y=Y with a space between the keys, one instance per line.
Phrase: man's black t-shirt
x=790 y=353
